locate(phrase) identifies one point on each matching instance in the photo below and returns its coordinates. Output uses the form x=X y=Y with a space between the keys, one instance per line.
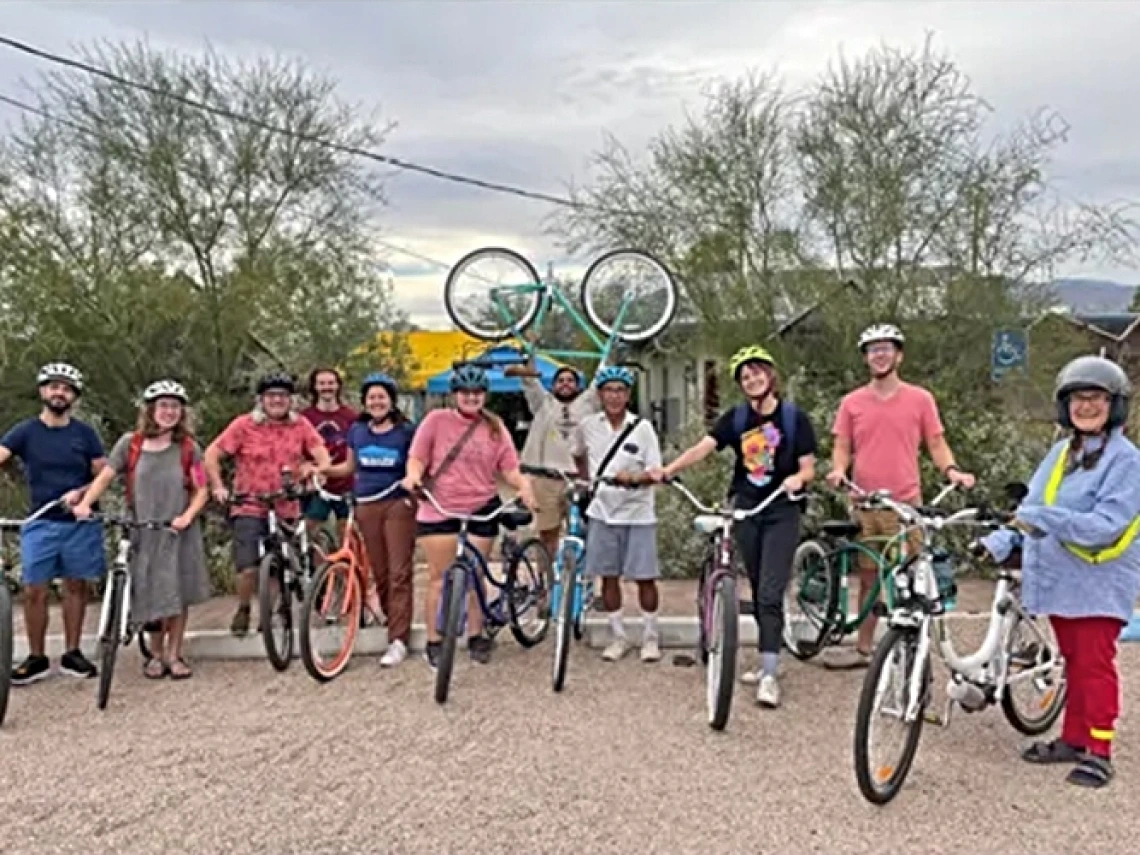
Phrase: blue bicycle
x=523 y=601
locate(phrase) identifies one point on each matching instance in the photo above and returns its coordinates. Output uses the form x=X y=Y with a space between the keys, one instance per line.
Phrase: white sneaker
x=650 y=650
x=394 y=655
x=768 y=695
x=751 y=678
x=617 y=649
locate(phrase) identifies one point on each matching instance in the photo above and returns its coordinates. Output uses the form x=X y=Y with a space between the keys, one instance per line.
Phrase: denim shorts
x=62 y=549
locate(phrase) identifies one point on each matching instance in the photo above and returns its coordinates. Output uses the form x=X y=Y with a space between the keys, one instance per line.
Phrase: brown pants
x=880 y=528
x=389 y=531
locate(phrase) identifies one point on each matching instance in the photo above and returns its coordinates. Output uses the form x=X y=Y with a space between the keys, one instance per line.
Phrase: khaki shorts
x=878 y=527
x=552 y=503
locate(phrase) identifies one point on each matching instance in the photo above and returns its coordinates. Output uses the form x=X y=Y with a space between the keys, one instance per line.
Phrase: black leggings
x=767 y=544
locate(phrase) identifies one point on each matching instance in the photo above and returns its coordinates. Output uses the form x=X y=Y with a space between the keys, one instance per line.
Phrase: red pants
x=1093 y=703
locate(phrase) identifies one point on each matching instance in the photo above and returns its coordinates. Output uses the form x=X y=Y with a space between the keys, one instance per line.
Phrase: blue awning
x=438 y=384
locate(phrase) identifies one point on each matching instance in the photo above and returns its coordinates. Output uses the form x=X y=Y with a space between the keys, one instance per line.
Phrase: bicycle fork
x=118 y=571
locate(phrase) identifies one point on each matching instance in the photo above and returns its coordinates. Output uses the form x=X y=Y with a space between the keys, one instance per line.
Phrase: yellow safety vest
x=1091 y=556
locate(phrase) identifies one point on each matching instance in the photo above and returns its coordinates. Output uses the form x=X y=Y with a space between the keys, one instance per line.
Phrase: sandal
x=149 y=670
x=1052 y=753
x=185 y=674
x=1092 y=771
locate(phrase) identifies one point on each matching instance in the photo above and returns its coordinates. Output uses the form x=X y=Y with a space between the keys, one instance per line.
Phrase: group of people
x=1076 y=526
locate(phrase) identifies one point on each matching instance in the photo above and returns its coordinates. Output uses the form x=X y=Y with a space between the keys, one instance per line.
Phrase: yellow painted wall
x=434 y=350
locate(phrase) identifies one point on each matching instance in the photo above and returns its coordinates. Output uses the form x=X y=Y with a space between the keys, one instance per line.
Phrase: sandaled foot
x=155 y=669
x=1051 y=753
x=1092 y=771
x=179 y=670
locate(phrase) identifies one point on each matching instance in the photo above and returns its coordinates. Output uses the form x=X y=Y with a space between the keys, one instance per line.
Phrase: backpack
x=134 y=452
x=789 y=414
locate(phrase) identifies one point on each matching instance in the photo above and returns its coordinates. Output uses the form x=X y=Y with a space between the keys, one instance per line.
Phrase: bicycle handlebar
x=32 y=517
x=499 y=511
x=127 y=522
x=357 y=500
x=571 y=478
x=738 y=514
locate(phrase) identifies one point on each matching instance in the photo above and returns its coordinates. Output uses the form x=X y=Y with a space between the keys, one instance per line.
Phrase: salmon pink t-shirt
x=469 y=480
x=885 y=436
x=260 y=450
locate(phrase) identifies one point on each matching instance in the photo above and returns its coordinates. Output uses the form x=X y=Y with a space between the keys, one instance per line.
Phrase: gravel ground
x=243 y=760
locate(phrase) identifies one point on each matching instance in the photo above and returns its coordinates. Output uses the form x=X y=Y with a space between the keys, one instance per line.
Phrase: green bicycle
x=494 y=294
x=817 y=601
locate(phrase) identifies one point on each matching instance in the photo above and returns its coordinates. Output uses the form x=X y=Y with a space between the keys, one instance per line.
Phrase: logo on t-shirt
x=758 y=449
x=379 y=457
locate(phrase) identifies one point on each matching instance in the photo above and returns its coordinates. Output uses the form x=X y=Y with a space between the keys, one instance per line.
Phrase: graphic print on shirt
x=378 y=457
x=332 y=434
x=758 y=449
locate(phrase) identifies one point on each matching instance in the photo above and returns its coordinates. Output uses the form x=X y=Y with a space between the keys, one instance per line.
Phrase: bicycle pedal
x=931 y=717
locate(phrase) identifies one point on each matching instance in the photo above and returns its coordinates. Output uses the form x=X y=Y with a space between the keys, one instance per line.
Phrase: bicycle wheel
x=567 y=587
x=528 y=592
x=321 y=545
x=109 y=639
x=6 y=644
x=334 y=598
x=810 y=600
x=1045 y=698
x=894 y=660
x=638 y=276
x=723 y=629
x=454 y=593
x=492 y=293
x=275 y=611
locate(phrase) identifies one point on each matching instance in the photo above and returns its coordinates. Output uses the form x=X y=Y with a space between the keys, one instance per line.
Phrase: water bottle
x=944 y=574
x=970 y=697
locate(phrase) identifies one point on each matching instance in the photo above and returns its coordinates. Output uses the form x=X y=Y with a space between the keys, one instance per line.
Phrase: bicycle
x=817 y=600
x=718 y=605
x=1004 y=661
x=515 y=599
x=494 y=294
x=338 y=589
x=115 y=624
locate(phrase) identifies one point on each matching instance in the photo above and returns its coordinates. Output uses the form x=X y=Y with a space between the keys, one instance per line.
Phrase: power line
x=224 y=113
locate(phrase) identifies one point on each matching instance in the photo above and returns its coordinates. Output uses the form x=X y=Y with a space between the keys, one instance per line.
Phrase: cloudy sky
x=522 y=92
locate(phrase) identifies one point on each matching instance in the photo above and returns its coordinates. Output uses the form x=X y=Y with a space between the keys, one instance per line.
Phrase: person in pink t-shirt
x=882 y=426
x=463 y=482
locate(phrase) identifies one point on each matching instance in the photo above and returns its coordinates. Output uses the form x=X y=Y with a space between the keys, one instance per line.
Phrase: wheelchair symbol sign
x=1009 y=351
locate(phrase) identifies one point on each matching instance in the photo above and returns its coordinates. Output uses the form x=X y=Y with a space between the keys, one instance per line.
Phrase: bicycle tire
x=491 y=333
x=1052 y=709
x=6 y=646
x=544 y=575
x=805 y=649
x=316 y=591
x=565 y=624
x=271 y=568
x=720 y=673
x=594 y=314
x=867 y=696
x=455 y=590
x=109 y=641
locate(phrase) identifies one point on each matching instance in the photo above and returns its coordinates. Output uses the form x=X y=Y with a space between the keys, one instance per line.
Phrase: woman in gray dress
x=161 y=466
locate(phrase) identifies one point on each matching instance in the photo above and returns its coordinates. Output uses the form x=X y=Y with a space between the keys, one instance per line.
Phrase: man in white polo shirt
x=621 y=540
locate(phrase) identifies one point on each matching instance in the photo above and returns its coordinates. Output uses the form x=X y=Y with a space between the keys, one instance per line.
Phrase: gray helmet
x=1093 y=372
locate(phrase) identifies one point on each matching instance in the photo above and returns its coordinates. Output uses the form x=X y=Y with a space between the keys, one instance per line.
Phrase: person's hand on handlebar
x=221 y=494
x=82 y=511
x=411 y=483
x=835 y=479
x=958 y=478
x=793 y=484
x=659 y=474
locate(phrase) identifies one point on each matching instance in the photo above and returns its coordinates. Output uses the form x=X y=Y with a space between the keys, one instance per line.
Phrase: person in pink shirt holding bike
x=881 y=426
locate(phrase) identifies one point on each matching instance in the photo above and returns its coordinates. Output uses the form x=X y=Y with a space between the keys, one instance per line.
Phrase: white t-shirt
x=640 y=451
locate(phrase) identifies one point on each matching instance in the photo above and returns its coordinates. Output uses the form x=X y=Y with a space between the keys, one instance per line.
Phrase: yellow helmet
x=751 y=353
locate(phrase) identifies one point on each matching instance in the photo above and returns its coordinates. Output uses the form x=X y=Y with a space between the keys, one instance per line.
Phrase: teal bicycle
x=494 y=294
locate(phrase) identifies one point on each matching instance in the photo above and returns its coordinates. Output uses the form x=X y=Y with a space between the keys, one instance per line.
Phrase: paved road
x=242 y=760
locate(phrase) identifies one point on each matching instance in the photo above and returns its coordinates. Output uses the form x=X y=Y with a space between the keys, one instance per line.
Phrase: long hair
x=395 y=414
x=148 y=427
x=317 y=372
x=494 y=424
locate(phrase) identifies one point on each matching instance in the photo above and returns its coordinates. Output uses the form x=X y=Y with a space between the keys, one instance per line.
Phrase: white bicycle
x=1019 y=653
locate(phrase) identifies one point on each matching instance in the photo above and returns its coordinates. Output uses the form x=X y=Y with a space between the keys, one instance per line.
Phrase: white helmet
x=69 y=374
x=881 y=332
x=164 y=389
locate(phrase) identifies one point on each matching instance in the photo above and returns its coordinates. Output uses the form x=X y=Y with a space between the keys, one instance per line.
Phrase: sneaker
x=846 y=659
x=239 y=626
x=616 y=650
x=768 y=694
x=479 y=649
x=431 y=654
x=650 y=650
x=751 y=678
x=396 y=653
x=31 y=670
x=75 y=664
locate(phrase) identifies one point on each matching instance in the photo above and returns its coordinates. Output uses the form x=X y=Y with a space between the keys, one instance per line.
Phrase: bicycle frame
x=120 y=567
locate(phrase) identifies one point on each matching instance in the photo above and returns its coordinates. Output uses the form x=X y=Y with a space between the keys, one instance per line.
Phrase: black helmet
x=1093 y=372
x=276 y=380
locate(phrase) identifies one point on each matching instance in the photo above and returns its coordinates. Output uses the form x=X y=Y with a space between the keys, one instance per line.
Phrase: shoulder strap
x=616 y=444
x=445 y=464
x=789 y=415
x=134 y=451
x=740 y=418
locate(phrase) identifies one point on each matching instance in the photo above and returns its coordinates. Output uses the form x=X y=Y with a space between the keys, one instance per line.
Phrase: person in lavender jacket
x=1077 y=527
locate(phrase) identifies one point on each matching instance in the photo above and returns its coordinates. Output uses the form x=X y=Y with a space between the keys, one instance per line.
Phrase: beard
x=566 y=397
x=58 y=406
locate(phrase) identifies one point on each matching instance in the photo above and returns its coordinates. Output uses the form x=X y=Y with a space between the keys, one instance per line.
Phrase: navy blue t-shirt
x=56 y=459
x=381 y=458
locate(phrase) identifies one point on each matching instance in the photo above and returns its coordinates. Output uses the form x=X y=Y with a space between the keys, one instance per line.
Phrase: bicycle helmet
x=62 y=372
x=750 y=353
x=280 y=380
x=165 y=389
x=1093 y=372
x=881 y=332
x=614 y=374
x=469 y=378
x=378 y=378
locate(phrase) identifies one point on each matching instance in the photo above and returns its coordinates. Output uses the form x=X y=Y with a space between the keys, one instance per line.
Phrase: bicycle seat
x=515 y=519
x=841 y=528
x=708 y=523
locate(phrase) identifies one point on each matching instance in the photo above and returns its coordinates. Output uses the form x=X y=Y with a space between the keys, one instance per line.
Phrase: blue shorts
x=51 y=549
x=318 y=510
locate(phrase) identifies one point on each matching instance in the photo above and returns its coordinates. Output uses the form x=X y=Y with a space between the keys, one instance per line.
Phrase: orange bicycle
x=336 y=598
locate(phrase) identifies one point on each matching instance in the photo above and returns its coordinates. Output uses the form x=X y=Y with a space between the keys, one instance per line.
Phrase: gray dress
x=168 y=571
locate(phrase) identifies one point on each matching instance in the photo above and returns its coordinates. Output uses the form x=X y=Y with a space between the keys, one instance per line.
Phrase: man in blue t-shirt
x=61 y=456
